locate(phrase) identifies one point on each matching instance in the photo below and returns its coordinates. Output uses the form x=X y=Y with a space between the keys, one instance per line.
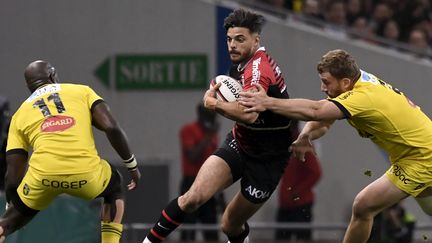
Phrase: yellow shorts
x=37 y=191
x=411 y=177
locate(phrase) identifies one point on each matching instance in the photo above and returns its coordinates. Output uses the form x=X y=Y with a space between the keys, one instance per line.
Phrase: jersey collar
x=241 y=67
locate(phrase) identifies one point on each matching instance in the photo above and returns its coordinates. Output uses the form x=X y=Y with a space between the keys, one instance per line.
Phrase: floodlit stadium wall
x=86 y=38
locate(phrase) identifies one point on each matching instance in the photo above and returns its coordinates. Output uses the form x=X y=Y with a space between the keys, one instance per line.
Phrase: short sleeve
x=352 y=102
x=16 y=139
x=261 y=76
x=92 y=98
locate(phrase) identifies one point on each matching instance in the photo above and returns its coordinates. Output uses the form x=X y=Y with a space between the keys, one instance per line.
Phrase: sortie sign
x=127 y=72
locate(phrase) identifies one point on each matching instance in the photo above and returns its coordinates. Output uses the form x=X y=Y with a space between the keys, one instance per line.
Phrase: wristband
x=131 y=164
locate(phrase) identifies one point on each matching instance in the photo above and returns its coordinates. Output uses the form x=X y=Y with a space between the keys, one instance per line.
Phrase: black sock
x=172 y=216
x=240 y=238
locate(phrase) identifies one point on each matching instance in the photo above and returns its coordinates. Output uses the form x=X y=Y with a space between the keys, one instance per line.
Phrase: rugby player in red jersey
x=254 y=152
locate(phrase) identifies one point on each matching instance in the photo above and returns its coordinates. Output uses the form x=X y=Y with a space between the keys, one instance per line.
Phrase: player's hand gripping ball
x=229 y=90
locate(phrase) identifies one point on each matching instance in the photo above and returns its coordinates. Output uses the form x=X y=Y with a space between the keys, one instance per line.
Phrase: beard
x=240 y=58
x=236 y=59
x=335 y=93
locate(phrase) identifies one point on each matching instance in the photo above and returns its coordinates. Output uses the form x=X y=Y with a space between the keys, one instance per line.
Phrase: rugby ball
x=229 y=90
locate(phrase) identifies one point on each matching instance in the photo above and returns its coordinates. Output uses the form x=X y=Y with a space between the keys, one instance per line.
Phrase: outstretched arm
x=300 y=109
x=314 y=129
x=103 y=120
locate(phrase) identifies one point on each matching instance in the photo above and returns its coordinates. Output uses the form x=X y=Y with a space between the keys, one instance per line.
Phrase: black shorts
x=115 y=189
x=259 y=176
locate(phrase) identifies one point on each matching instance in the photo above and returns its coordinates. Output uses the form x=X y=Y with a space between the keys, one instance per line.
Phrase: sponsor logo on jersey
x=346 y=95
x=400 y=174
x=256 y=74
x=48 y=89
x=64 y=184
x=365 y=76
x=57 y=123
x=278 y=71
x=258 y=194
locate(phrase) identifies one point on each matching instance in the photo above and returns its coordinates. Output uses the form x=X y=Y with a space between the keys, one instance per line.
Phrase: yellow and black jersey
x=56 y=123
x=385 y=115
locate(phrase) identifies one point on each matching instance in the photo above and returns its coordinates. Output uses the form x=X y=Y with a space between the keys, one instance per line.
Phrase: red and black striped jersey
x=270 y=134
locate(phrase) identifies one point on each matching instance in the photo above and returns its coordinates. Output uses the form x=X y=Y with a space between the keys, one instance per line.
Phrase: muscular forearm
x=118 y=140
x=234 y=111
x=299 y=109
x=314 y=130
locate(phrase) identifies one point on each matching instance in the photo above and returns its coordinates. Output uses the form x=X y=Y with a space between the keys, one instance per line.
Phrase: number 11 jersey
x=55 y=122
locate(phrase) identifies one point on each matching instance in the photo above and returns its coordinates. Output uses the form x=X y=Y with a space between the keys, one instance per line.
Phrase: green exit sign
x=126 y=72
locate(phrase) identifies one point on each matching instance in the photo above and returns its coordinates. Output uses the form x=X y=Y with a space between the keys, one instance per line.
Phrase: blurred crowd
x=396 y=21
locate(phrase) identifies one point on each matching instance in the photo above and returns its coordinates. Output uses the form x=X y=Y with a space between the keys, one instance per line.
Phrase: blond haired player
x=55 y=122
x=378 y=111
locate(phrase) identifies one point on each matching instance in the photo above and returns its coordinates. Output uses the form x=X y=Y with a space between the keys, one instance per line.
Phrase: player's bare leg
x=374 y=198
x=214 y=175
x=238 y=211
x=112 y=216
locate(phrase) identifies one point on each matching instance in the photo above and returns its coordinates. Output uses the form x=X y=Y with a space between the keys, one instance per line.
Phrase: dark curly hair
x=246 y=19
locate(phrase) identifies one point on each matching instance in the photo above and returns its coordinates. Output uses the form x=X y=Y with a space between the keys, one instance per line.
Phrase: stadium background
x=79 y=36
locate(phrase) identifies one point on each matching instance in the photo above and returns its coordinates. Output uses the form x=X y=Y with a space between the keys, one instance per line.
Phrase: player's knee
x=232 y=227
x=361 y=207
x=226 y=226
x=191 y=201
